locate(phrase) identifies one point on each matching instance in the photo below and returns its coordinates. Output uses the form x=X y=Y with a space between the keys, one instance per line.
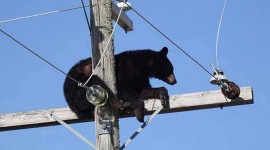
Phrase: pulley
x=228 y=88
x=232 y=90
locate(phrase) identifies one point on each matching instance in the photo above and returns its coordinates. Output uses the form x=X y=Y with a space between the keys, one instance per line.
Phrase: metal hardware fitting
x=104 y=127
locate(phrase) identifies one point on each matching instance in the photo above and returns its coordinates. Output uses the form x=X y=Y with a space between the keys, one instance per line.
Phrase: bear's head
x=162 y=67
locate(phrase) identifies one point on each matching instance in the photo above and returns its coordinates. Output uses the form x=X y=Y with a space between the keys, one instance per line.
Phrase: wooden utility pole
x=107 y=128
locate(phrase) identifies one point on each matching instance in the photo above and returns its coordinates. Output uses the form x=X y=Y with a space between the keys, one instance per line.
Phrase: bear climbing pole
x=106 y=120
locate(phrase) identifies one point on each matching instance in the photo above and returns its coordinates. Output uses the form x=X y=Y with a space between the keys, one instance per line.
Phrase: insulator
x=96 y=95
x=126 y=5
x=216 y=77
x=232 y=90
x=228 y=88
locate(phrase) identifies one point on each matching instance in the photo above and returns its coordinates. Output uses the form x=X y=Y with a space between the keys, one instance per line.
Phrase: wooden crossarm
x=178 y=103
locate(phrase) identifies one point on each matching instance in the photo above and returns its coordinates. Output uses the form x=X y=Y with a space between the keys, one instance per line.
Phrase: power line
x=46 y=61
x=57 y=11
x=86 y=17
x=152 y=25
x=220 y=21
x=42 y=14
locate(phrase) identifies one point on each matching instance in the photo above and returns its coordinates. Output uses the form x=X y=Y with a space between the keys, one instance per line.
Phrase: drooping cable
x=219 y=25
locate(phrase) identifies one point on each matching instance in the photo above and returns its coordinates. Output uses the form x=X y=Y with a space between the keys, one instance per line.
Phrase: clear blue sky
x=27 y=83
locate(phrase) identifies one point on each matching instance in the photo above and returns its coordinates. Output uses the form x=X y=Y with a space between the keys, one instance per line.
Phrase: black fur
x=133 y=70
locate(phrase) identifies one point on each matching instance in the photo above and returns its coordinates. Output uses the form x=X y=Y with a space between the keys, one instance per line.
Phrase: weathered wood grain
x=178 y=103
x=103 y=52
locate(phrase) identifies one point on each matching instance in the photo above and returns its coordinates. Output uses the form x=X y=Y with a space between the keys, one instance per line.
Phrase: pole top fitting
x=218 y=76
x=228 y=88
x=123 y=3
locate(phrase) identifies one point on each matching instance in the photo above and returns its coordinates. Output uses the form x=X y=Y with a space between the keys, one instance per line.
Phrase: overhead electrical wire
x=165 y=36
x=80 y=84
x=40 y=57
x=46 y=61
x=42 y=14
x=86 y=17
x=219 y=25
x=152 y=25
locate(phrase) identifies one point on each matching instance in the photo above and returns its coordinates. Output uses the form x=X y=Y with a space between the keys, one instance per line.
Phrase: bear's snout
x=171 y=79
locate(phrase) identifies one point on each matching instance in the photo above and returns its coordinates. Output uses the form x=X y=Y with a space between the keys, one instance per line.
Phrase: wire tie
x=80 y=84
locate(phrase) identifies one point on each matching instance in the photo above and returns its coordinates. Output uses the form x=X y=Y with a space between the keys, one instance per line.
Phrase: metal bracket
x=141 y=128
x=72 y=130
x=104 y=127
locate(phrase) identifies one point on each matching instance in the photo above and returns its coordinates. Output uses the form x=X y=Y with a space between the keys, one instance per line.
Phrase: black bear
x=133 y=70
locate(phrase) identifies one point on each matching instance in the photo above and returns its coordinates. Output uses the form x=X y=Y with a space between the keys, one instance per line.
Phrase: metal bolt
x=104 y=126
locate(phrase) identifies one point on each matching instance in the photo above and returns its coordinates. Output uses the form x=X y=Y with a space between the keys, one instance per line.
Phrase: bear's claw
x=164 y=97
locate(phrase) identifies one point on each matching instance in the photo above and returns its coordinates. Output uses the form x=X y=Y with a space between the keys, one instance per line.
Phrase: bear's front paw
x=164 y=97
x=139 y=111
x=126 y=107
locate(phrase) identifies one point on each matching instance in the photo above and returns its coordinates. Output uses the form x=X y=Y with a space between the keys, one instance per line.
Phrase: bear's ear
x=164 y=51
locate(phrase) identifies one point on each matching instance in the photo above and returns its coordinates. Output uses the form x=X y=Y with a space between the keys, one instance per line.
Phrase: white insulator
x=126 y=5
x=218 y=77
